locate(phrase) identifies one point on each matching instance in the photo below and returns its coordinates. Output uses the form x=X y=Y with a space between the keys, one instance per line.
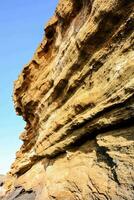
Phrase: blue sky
x=21 y=30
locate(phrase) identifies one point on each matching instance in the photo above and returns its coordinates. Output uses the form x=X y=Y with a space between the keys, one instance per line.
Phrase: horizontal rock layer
x=77 y=98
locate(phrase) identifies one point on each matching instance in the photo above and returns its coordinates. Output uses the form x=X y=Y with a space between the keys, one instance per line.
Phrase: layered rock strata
x=77 y=98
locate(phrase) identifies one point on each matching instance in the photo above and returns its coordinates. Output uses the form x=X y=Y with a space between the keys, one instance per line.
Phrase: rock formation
x=77 y=98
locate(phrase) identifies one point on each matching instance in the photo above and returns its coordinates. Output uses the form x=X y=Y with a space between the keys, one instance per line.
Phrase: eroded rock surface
x=77 y=98
x=19 y=193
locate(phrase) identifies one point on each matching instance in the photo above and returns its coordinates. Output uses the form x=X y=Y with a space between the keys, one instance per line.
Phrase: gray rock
x=20 y=194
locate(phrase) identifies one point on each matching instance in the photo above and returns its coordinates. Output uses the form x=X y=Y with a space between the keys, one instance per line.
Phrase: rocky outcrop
x=19 y=193
x=77 y=98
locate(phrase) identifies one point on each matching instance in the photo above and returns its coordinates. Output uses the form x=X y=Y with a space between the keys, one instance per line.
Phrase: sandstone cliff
x=77 y=98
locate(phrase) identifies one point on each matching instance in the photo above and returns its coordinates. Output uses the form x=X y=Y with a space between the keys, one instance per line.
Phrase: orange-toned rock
x=77 y=98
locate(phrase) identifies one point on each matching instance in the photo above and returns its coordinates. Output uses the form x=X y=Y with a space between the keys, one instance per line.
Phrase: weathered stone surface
x=20 y=194
x=77 y=98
